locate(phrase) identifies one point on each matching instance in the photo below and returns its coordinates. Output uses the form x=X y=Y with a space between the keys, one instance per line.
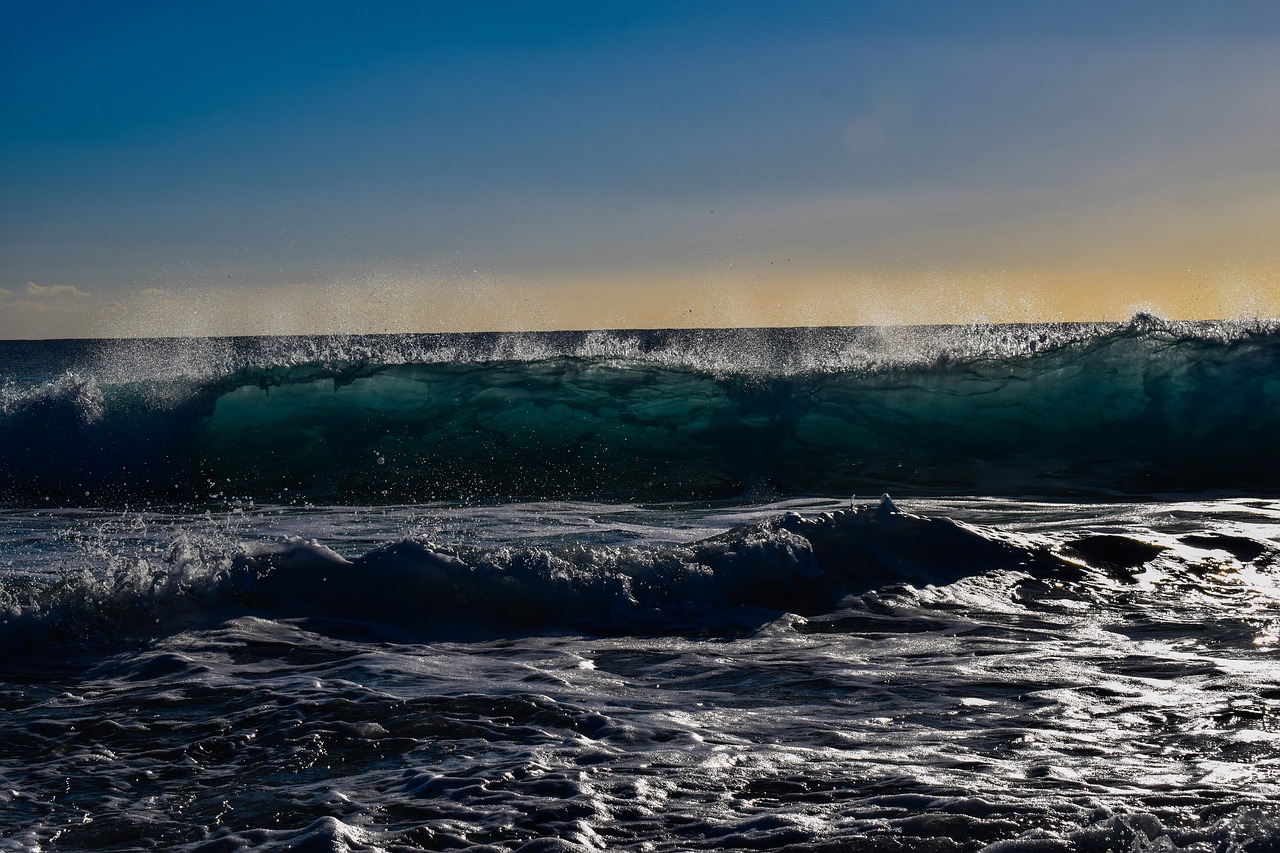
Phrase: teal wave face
x=438 y=431
x=1130 y=409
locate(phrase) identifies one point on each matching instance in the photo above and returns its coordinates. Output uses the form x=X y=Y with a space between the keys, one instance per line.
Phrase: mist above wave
x=719 y=352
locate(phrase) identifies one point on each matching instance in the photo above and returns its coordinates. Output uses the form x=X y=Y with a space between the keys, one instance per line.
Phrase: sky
x=272 y=168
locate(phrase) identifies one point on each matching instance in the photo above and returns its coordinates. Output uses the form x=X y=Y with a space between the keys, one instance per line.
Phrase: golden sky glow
x=637 y=166
x=1186 y=243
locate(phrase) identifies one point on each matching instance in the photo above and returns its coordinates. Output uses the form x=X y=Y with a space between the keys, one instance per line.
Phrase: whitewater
x=964 y=588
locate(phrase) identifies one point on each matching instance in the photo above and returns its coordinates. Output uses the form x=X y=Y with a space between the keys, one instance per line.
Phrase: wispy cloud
x=46 y=311
x=54 y=291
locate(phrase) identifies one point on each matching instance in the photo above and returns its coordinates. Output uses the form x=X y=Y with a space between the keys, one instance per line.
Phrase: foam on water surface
x=968 y=681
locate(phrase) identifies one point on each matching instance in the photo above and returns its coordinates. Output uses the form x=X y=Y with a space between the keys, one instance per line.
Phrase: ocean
x=1003 y=588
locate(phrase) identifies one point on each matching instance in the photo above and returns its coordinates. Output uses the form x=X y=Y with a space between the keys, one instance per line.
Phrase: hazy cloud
x=46 y=311
x=52 y=291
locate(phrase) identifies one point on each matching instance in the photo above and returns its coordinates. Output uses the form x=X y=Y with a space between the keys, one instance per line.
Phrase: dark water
x=610 y=591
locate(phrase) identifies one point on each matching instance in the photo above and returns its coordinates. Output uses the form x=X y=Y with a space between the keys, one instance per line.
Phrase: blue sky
x=315 y=167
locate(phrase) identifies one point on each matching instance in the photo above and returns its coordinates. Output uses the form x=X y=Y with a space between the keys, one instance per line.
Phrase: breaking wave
x=1086 y=409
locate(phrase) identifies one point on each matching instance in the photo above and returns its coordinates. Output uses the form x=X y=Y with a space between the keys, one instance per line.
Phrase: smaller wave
x=731 y=583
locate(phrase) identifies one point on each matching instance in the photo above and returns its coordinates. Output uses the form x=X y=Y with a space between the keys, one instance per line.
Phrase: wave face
x=1143 y=407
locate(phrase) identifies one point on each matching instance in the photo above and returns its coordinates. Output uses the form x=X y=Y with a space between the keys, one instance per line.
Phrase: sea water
x=644 y=591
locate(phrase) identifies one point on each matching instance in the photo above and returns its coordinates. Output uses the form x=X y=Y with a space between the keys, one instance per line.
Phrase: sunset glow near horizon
x=312 y=168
